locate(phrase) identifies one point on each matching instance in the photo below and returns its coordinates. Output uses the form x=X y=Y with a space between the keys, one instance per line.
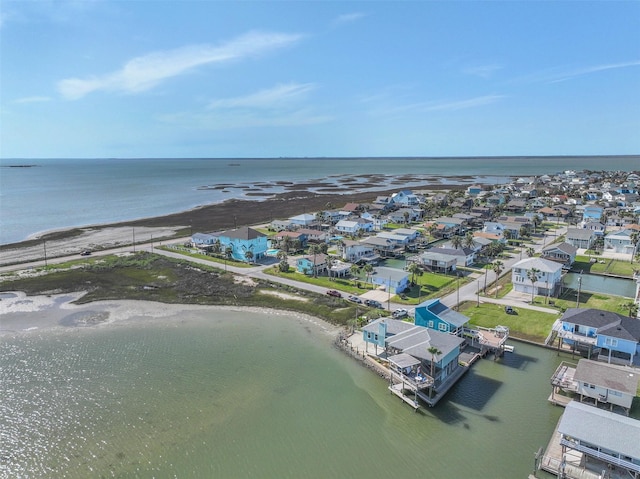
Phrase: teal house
x=246 y=244
x=433 y=314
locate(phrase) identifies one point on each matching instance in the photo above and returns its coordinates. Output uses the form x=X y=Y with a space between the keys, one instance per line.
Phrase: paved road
x=468 y=292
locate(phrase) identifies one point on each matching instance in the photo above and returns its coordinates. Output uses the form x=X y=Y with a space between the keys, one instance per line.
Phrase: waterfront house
x=399 y=337
x=433 y=314
x=392 y=280
x=464 y=256
x=592 y=213
x=608 y=336
x=432 y=260
x=313 y=235
x=394 y=238
x=597 y=227
x=405 y=198
x=548 y=281
x=382 y=246
x=564 y=253
x=353 y=251
x=243 y=240
x=405 y=215
x=606 y=383
x=580 y=238
x=315 y=262
x=619 y=241
x=601 y=435
x=410 y=233
x=379 y=222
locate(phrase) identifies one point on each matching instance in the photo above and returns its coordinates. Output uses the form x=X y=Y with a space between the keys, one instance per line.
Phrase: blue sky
x=147 y=78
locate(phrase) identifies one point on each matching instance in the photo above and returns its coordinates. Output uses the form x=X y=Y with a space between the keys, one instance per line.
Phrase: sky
x=233 y=79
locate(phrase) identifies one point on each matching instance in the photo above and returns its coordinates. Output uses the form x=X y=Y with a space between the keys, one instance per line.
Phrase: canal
x=596 y=283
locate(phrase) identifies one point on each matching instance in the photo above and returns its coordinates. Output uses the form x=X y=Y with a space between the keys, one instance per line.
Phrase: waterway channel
x=596 y=283
x=201 y=392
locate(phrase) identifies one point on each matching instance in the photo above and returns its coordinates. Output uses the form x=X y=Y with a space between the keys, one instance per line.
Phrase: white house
x=549 y=276
x=619 y=241
x=353 y=251
x=352 y=227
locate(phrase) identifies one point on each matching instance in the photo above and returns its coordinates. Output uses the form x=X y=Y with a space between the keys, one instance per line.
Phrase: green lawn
x=214 y=259
x=526 y=324
x=605 y=266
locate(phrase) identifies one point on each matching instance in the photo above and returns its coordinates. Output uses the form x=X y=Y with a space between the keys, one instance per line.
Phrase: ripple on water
x=85 y=318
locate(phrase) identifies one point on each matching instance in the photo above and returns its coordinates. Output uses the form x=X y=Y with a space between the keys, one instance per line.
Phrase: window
x=610 y=342
x=431 y=323
x=442 y=327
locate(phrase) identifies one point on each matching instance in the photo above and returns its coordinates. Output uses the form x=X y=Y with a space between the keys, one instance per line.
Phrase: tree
x=414 y=268
x=405 y=215
x=216 y=248
x=634 y=237
x=314 y=249
x=355 y=271
x=468 y=240
x=498 y=267
x=285 y=243
x=456 y=241
x=368 y=269
x=530 y=252
x=633 y=309
x=435 y=352
x=532 y=274
x=248 y=255
x=432 y=229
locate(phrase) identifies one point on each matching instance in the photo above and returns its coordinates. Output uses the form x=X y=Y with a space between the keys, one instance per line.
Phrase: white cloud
x=33 y=99
x=567 y=75
x=347 y=18
x=276 y=97
x=482 y=71
x=145 y=72
x=464 y=104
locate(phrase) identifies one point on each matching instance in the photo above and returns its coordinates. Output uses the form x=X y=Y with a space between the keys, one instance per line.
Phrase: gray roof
x=393 y=273
x=606 y=322
x=415 y=340
x=403 y=360
x=243 y=233
x=543 y=265
x=601 y=428
x=579 y=234
x=433 y=256
x=563 y=247
x=607 y=375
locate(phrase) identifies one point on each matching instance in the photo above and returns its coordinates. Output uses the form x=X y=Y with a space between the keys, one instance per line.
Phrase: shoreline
x=227 y=214
x=22 y=313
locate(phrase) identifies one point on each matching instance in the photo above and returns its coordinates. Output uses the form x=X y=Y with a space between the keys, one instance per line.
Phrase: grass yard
x=526 y=324
x=605 y=266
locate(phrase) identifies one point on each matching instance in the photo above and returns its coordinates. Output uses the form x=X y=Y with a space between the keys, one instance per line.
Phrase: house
x=313 y=235
x=516 y=205
x=496 y=200
x=391 y=279
x=405 y=198
x=453 y=226
x=410 y=233
x=246 y=244
x=482 y=211
x=564 y=253
x=464 y=256
x=382 y=246
x=620 y=241
x=305 y=219
x=353 y=251
x=379 y=222
x=597 y=227
x=431 y=260
x=313 y=264
x=278 y=240
x=281 y=225
x=592 y=213
x=601 y=383
x=400 y=337
x=353 y=227
x=203 y=241
x=549 y=276
x=610 y=337
x=580 y=238
x=396 y=239
x=433 y=314
x=405 y=215
x=474 y=190
x=601 y=435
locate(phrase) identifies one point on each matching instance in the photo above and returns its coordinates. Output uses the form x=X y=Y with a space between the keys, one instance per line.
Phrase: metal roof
x=610 y=376
x=601 y=428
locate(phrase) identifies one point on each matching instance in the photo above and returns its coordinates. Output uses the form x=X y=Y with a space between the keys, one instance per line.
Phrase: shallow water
x=214 y=393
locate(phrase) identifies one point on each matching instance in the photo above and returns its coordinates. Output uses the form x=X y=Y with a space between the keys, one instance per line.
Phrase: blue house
x=611 y=337
x=433 y=314
x=203 y=240
x=397 y=337
x=307 y=264
x=241 y=241
x=592 y=213
x=393 y=280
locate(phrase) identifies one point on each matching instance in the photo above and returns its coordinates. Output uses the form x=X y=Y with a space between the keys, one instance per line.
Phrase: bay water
x=206 y=392
x=39 y=195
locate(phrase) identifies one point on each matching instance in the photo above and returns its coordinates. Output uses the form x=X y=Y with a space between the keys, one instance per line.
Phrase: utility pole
x=579 y=287
x=44 y=244
x=134 y=239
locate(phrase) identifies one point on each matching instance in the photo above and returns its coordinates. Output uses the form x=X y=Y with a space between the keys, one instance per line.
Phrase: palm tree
x=468 y=240
x=355 y=271
x=248 y=255
x=432 y=229
x=406 y=217
x=314 y=249
x=634 y=237
x=435 y=352
x=456 y=241
x=498 y=267
x=530 y=252
x=633 y=309
x=414 y=268
x=532 y=274
x=286 y=243
x=368 y=269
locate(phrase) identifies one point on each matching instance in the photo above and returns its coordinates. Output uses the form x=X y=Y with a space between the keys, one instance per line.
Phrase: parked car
x=400 y=313
x=509 y=310
x=354 y=299
x=334 y=293
x=372 y=303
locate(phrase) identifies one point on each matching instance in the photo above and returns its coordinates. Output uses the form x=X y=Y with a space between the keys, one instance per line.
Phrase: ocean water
x=234 y=394
x=61 y=193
